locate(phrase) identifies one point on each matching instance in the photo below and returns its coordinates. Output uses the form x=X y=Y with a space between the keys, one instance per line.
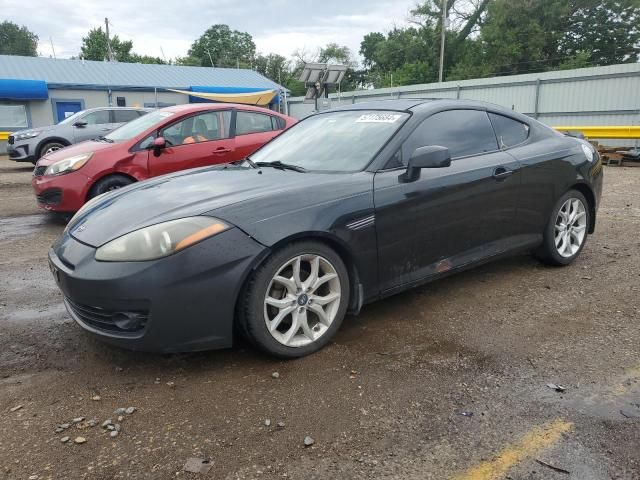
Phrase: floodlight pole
x=442 y=38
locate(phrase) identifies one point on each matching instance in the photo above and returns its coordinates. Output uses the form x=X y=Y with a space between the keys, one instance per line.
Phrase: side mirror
x=433 y=156
x=80 y=124
x=158 y=145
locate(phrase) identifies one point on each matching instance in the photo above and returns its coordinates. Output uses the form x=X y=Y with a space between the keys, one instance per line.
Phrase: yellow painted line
x=529 y=445
x=604 y=131
x=4 y=135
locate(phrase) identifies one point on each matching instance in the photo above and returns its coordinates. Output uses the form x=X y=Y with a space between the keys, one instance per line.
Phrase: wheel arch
x=333 y=242
x=44 y=141
x=588 y=193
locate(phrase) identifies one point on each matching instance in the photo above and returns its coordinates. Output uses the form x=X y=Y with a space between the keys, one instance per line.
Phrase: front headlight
x=160 y=240
x=70 y=164
x=25 y=135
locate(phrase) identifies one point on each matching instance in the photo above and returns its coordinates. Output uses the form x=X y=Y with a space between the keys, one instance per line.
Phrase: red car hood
x=77 y=149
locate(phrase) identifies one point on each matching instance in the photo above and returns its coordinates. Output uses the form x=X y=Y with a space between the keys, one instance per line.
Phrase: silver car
x=31 y=144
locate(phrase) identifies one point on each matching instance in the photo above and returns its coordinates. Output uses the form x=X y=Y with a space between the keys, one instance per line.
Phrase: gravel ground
x=428 y=384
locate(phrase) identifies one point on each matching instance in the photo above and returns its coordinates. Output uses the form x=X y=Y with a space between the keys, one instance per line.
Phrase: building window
x=121 y=101
x=13 y=116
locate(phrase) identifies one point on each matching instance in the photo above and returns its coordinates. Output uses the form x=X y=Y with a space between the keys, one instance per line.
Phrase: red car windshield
x=136 y=127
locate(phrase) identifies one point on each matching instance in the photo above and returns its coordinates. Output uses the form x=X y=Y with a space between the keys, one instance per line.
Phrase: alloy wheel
x=302 y=300
x=52 y=149
x=571 y=227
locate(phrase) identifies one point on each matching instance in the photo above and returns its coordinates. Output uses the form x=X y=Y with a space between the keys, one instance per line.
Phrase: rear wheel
x=296 y=301
x=566 y=231
x=107 y=184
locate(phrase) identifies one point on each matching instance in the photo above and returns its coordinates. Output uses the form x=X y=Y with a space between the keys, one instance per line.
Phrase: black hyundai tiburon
x=346 y=207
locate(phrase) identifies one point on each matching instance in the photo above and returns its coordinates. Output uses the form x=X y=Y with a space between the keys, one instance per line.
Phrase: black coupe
x=347 y=207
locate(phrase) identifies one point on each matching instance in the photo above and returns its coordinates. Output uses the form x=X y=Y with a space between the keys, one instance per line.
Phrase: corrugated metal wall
x=587 y=96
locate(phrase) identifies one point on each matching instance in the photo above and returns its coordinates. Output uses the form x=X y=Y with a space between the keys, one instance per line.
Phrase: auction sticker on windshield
x=379 y=118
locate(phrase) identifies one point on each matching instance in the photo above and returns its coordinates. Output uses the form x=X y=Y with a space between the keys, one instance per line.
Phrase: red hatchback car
x=163 y=141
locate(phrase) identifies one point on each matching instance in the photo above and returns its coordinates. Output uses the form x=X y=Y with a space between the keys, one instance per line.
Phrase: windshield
x=337 y=141
x=137 y=126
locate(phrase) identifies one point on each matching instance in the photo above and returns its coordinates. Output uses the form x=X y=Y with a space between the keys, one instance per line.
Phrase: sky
x=277 y=26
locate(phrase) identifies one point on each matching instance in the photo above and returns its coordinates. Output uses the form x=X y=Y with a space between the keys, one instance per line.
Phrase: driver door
x=449 y=216
x=96 y=124
x=195 y=141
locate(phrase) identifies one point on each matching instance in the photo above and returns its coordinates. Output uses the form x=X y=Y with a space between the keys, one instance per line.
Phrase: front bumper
x=21 y=153
x=61 y=193
x=184 y=302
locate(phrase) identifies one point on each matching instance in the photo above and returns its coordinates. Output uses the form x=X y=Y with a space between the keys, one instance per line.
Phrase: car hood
x=89 y=146
x=48 y=128
x=241 y=196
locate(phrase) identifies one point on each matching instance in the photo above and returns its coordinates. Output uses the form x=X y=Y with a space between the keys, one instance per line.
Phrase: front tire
x=50 y=147
x=107 y=184
x=566 y=232
x=295 y=302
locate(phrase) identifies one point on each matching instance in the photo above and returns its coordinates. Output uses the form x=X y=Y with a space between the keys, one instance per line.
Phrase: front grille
x=39 y=170
x=50 y=197
x=109 y=320
x=11 y=140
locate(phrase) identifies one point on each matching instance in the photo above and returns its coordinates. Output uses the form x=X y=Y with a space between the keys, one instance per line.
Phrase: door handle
x=501 y=173
x=221 y=150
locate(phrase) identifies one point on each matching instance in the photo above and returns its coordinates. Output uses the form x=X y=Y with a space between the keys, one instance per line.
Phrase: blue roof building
x=37 y=91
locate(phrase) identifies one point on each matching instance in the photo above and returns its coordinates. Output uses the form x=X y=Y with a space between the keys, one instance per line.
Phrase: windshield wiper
x=283 y=166
x=104 y=139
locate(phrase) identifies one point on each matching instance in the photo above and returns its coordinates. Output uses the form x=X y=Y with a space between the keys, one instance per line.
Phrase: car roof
x=196 y=107
x=428 y=105
x=95 y=109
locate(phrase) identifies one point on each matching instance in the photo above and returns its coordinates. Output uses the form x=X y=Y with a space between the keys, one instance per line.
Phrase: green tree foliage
x=273 y=66
x=16 y=40
x=222 y=47
x=411 y=55
x=94 y=47
x=540 y=35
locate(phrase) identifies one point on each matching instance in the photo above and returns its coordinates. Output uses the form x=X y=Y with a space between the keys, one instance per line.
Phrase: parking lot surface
x=512 y=370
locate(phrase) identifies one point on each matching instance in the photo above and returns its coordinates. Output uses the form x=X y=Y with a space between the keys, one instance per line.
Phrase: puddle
x=13 y=227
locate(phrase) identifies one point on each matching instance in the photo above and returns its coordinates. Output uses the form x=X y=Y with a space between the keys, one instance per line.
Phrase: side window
x=124 y=116
x=463 y=132
x=205 y=127
x=249 y=122
x=97 y=118
x=277 y=123
x=510 y=132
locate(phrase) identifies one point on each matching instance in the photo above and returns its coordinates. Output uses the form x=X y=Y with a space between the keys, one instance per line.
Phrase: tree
x=273 y=66
x=222 y=47
x=540 y=35
x=16 y=40
x=602 y=32
x=94 y=46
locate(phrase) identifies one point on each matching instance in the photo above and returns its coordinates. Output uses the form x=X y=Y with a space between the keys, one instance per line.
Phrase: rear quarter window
x=510 y=132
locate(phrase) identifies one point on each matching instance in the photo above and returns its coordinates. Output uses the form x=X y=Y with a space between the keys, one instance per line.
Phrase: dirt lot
x=446 y=381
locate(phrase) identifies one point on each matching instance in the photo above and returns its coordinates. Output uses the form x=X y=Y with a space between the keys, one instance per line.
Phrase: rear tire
x=50 y=147
x=567 y=229
x=108 y=184
x=288 y=314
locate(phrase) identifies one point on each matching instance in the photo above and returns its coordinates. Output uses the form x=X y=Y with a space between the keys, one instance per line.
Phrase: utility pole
x=109 y=53
x=442 y=38
x=52 y=48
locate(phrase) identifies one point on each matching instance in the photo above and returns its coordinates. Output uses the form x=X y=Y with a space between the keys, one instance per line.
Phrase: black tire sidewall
x=549 y=251
x=48 y=145
x=252 y=309
x=103 y=185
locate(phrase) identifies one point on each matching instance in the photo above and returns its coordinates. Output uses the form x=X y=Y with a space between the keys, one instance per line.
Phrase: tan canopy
x=254 y=98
